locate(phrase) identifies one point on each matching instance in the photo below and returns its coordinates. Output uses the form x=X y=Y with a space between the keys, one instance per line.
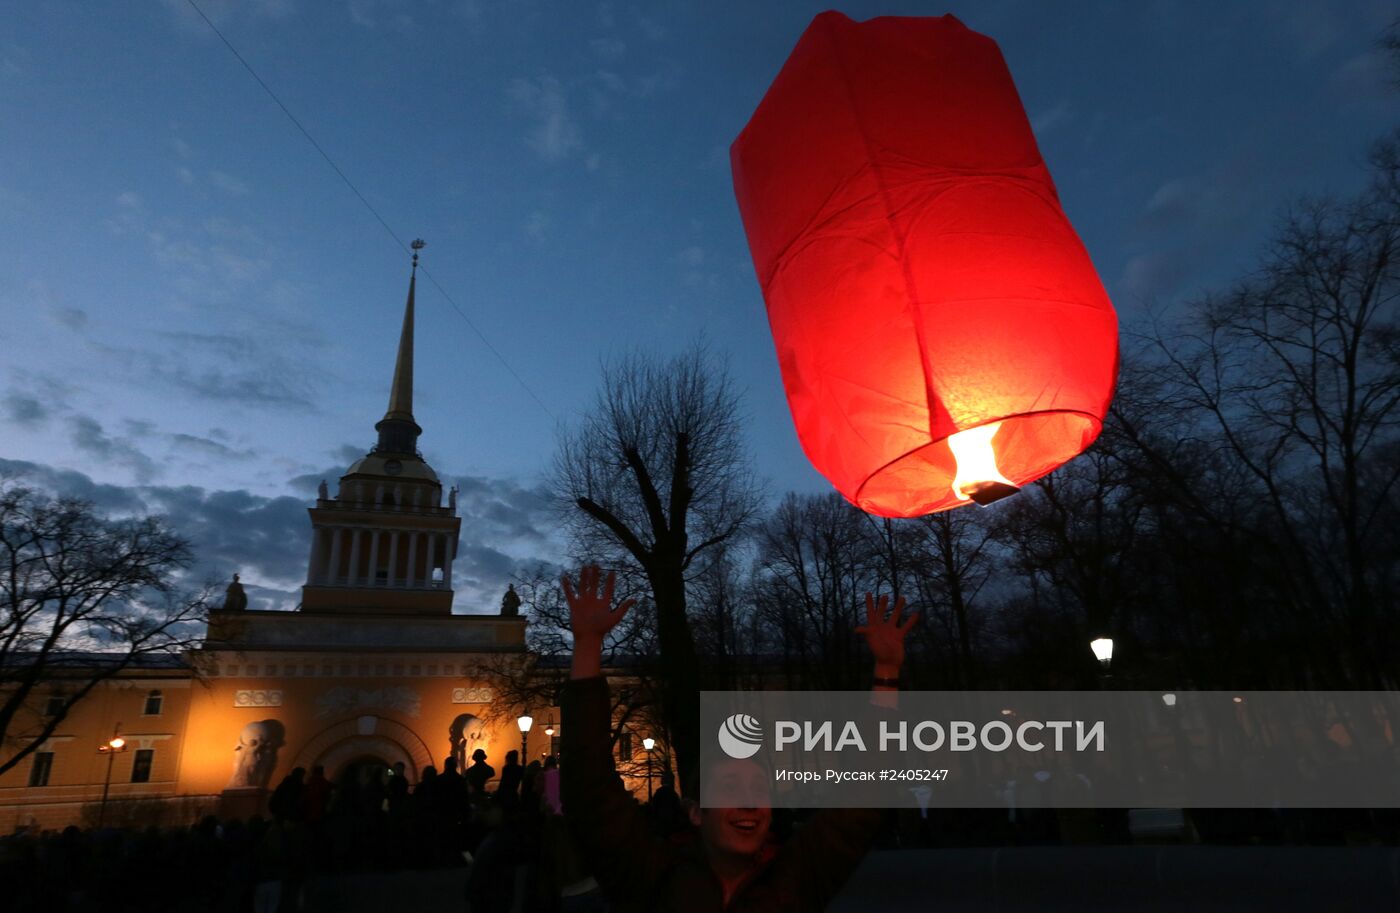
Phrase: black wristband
x=887 y=682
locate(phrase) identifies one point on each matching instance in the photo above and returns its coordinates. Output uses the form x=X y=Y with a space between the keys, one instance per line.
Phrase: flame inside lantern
x=978 y=478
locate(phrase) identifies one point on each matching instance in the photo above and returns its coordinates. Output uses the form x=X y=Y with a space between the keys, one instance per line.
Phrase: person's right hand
x=591 y=615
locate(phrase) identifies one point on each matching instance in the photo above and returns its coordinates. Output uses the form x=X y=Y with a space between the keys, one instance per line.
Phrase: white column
x=353 y=576
x=393 y=556
x=412 y=557
x=447 y=561
x=374 y=557
x=333 y=561
x=317 y=542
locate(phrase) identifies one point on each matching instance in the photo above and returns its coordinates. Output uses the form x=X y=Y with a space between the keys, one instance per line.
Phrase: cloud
x=70 y=317
x=129 y=199
x=120 y=500
x=194 y=444
x=555 y=134
x=608 y=48
x=1047 y=120
x=1154 y=276
x=692 y=256
x=228 y=183
x=1367 y=75
x=537 y=226
x=25 y=411
x=507 y=527
x=88 y=435
x=221 y=368
x=649 y=27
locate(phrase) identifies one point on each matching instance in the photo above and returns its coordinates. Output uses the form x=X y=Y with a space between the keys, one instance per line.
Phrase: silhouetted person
x=316 y=798
x=286 y=801
x=508 y=790
x=549 y=787
x=666 y=814
x=397 y=789
x=530 y=787
x=480 y=772
x=372 y=791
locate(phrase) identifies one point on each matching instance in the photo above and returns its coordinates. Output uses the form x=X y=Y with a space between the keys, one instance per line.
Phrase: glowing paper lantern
x=931 y=305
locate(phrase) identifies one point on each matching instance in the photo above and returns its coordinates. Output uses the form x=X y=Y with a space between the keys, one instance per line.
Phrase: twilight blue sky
x=196 y=316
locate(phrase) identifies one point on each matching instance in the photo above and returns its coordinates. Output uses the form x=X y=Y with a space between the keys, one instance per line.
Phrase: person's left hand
x=884 y=632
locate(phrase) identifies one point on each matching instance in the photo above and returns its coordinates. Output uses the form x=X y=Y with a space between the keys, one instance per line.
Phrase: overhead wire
x=369 y=206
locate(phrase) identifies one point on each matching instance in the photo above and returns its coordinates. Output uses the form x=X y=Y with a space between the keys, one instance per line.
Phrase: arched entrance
x=360 y=771
x=367 y=736
x=359 y=753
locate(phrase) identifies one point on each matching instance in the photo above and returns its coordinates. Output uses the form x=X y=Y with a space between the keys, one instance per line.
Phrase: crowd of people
x=507 y=834
x=505 y=829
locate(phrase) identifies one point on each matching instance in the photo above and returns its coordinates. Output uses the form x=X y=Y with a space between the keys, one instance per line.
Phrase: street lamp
x=111 y=748
x=1169 y=699
x=648 y=743
x=525 y=721
x=1103 y=652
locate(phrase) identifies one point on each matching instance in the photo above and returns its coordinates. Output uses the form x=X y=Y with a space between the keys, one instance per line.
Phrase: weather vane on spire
x=417 y=245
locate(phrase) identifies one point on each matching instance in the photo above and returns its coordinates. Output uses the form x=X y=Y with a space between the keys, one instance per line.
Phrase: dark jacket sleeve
x=608 y=825
x=825 y=850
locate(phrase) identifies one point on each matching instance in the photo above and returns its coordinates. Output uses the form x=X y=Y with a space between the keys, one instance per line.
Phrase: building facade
x=372 y=669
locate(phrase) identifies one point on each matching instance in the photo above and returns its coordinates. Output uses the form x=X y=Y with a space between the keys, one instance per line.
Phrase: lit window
x=153 y=703
x=40 y=769
x=141 y=765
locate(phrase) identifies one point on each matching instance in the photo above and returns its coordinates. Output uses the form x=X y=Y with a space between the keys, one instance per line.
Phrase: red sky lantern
x=942 y=334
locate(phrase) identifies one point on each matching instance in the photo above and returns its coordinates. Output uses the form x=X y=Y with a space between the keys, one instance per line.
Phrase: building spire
x=398 y=432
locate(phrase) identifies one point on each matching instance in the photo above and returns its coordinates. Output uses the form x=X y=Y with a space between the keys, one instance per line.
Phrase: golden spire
x=398 y=432
x=401 y=393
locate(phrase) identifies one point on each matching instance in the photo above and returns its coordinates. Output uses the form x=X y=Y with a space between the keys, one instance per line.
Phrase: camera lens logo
x=740 y=736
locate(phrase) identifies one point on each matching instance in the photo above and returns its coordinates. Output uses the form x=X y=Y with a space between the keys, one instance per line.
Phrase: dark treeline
x=1236 y=525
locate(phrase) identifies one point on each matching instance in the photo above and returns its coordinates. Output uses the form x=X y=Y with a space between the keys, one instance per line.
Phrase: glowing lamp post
x=648 y=743
x=111 y=748
x=942 y=334
x=1103 y=652
x=525 y=721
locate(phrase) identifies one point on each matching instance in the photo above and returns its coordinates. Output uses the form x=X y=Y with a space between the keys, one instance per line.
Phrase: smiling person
x=732 y=866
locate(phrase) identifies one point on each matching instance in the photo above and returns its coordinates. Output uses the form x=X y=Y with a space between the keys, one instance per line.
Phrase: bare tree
x=816 y=560
x=951 y=556
x=1295 y=374
x=82 y=597
x=655 y=476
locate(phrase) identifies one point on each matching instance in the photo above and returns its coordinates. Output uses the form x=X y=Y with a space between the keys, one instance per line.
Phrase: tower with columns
x=384 y=544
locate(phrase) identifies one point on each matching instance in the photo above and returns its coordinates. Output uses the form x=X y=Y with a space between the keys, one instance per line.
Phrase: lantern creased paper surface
x=920 y=276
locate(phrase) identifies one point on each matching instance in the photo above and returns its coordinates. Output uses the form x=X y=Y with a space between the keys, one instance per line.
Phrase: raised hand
x=591 y=616
x=884 y=632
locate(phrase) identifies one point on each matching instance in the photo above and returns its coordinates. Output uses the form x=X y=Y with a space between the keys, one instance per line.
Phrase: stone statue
x=467 y=734
x=235 y=600
x=452 y=498
x=255 y=756
x=510 y=602
x=323 y=492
